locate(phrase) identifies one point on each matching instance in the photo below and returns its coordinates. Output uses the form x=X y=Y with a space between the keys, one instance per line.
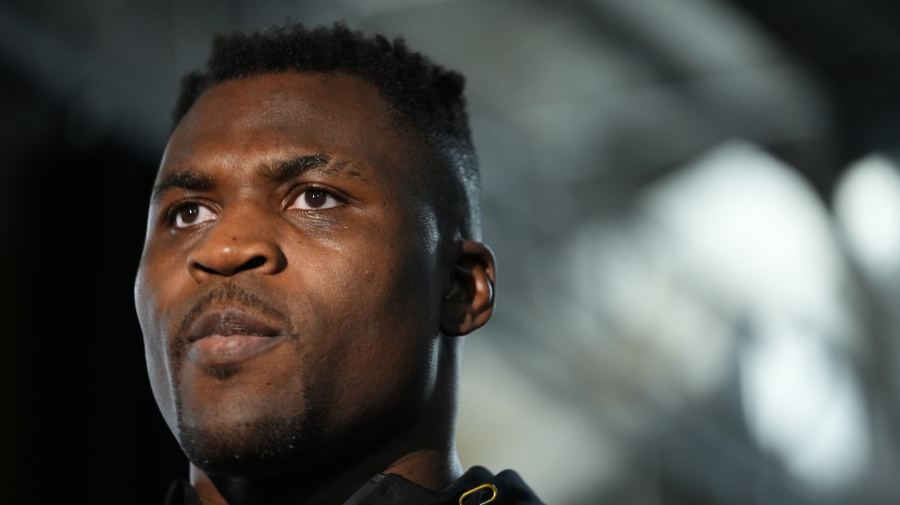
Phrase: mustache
x=233 y=293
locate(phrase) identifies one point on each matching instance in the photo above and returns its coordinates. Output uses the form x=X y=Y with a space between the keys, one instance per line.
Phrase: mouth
x=230 y=336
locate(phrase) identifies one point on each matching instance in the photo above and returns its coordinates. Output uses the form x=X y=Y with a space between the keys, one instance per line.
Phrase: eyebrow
x=285 y=170
x=279 y=172
x=182 y=180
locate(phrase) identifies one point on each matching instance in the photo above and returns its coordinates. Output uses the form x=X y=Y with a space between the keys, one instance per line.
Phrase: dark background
x=79 y=418
x=85 y=90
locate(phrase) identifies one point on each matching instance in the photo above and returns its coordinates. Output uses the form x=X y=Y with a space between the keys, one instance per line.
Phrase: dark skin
x=301 y=300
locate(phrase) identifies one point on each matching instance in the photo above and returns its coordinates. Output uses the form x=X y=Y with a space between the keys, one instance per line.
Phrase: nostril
x=204 y=268
x=254 y=262
x=221 y=256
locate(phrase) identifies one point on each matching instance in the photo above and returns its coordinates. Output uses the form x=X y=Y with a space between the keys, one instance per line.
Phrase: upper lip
x=230 y=321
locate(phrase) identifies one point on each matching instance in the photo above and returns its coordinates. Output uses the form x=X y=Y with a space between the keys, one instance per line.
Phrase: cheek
x=382 y=357
x=163 y=281
x=381 y=374
x=152 y=291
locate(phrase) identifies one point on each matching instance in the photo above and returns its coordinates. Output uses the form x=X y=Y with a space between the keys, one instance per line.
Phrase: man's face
x=290 y=289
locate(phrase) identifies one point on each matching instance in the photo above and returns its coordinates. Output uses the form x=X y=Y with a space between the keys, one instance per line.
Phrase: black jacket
x=395 y=490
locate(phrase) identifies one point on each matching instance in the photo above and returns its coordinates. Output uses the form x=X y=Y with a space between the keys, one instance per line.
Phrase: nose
x=236 y=243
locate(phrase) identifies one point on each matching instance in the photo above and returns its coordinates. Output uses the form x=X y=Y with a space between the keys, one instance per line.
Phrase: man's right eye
x=191 y=214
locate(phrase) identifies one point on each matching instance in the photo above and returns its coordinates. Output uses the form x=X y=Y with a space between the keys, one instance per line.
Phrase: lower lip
x=221 y=350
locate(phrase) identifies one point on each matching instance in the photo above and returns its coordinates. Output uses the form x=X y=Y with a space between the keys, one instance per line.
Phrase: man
x=311 y=265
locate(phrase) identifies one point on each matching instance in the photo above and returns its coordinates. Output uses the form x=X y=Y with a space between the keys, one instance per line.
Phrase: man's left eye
x=314 y=199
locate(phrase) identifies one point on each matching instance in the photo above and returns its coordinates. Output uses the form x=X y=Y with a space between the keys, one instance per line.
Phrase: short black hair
x=425 y=99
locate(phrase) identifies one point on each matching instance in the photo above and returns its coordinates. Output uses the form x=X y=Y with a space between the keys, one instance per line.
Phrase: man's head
x=308 y=266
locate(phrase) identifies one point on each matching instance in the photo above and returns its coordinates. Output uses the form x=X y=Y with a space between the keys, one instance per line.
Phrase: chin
x=263 y=448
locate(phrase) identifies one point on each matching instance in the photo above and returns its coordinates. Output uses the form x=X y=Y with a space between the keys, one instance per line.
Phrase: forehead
x=286 y=114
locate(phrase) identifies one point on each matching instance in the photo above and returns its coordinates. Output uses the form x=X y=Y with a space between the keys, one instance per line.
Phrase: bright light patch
x=803 y=404
x=753 y=235
x=753 y=230
x=867 y=207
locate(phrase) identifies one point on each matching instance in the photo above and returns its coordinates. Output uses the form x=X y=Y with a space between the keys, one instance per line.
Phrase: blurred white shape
x=804 y=405
x=753 y=236
x=867 y=207
x=748 y=227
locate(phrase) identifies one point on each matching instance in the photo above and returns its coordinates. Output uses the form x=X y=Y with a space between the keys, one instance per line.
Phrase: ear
x=469 y=296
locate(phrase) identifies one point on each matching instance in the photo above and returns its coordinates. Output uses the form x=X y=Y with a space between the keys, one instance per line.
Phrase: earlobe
x=469 y=299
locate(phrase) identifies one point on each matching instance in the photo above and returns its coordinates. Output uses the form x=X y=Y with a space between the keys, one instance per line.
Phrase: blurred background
x=695 y=205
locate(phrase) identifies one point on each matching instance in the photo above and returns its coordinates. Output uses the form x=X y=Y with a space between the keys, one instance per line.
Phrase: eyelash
x=298 y=192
